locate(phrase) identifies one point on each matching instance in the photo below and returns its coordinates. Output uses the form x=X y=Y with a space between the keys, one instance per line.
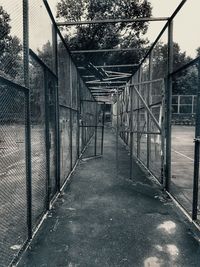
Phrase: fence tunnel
x=87 y=150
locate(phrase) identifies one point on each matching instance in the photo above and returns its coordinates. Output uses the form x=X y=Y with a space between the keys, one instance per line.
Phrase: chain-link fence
x=41 y=108
x=157 y=114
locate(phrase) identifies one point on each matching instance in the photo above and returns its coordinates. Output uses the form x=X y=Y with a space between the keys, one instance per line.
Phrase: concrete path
x=106 y=220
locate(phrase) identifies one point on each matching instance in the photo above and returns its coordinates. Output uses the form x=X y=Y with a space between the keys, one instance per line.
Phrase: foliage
x=97 y=36
x=184 y=82
x=10 y=48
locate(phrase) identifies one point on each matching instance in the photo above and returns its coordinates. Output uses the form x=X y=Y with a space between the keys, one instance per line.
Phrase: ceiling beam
x=144 y=19
x=112 y=66
x=108 y=50
x=104 y=87
x=99 y=82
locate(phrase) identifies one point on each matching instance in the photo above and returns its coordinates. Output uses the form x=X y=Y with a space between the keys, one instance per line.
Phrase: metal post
x=28 y=116
x=131 y=132
x=71 y=140
x=163 y=134
x=196 y=153
x=103 y=123
x=78 y=118
x=138 y=116
x=149 y=91
x=47 y=139
x=95 y=133
x=71 y=124
x=169 y=106
x=117 y=133
x=55 y=62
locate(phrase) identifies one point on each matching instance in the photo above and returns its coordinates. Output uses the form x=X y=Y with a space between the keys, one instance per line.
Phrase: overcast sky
x=186 y=25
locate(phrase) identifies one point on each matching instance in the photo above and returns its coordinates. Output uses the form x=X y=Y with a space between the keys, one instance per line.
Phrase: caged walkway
x=104 y=219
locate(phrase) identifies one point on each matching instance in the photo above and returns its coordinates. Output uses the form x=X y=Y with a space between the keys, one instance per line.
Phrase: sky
x=186 y=24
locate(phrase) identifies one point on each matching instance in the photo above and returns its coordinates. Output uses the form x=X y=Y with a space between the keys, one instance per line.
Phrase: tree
x=160 y=58
x=10 y=48
x=97 y=36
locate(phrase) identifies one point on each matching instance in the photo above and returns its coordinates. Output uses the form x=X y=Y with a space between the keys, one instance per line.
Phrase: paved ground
x=104 y=219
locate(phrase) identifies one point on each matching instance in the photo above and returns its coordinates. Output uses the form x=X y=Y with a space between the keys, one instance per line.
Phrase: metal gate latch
x=197 y=139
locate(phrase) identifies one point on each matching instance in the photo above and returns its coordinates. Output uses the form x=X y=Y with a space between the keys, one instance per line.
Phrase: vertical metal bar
x=95 y=134
x=149 y=91
x=55 y=62
x=47 y=140
x=78 y=117
x=71 y=124
x=196 y=153
x=131 y=131
x=138 y=116
x=117 y=133
x=71 y=140
x=169 y=106
x=163 y=135
x=179 y=101
x=103 y=126
x=28 y=116
x=82 y=124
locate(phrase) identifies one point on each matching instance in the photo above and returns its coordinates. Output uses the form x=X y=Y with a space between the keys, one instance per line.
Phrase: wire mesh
x=51 y=89
x=14 y=120
x=38 y=140
x=183 y=134
x=40 y=32
x=64 y=143
x=13 y=230
x=74 y=85
x=147 y=142
x=64 y=78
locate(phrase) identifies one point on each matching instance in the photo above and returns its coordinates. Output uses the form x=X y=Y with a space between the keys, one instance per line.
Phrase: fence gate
x=92 y=119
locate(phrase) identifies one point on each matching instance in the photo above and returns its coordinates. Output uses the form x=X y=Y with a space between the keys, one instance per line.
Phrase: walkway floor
x=103 y=220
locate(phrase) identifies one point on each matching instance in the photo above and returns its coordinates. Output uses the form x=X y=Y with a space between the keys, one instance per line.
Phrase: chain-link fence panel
x=38 y=141
x=51 y=92
x=64 y=78
x=74 y=85
x=183 y=134
x=65 y=157
x=40 y=33
x=13 y=198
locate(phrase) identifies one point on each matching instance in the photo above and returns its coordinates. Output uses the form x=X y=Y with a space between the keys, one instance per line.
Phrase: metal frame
x=105 y=91
x=32 y=227
x=112 y=66
x=28 y=118
x=105 y=21
x=96 y=126
x=165 y=129
x=107 y=50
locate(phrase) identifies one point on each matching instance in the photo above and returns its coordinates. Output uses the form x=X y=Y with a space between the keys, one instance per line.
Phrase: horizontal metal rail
x=91 y=126
x=103 y=82
x=112 y=66
x=148 y=82
x=108 y=50
x=140 y=132
x=67 y=107
x=186 y=66
x=145 y=19
x=14 y=85
x=37 y=59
